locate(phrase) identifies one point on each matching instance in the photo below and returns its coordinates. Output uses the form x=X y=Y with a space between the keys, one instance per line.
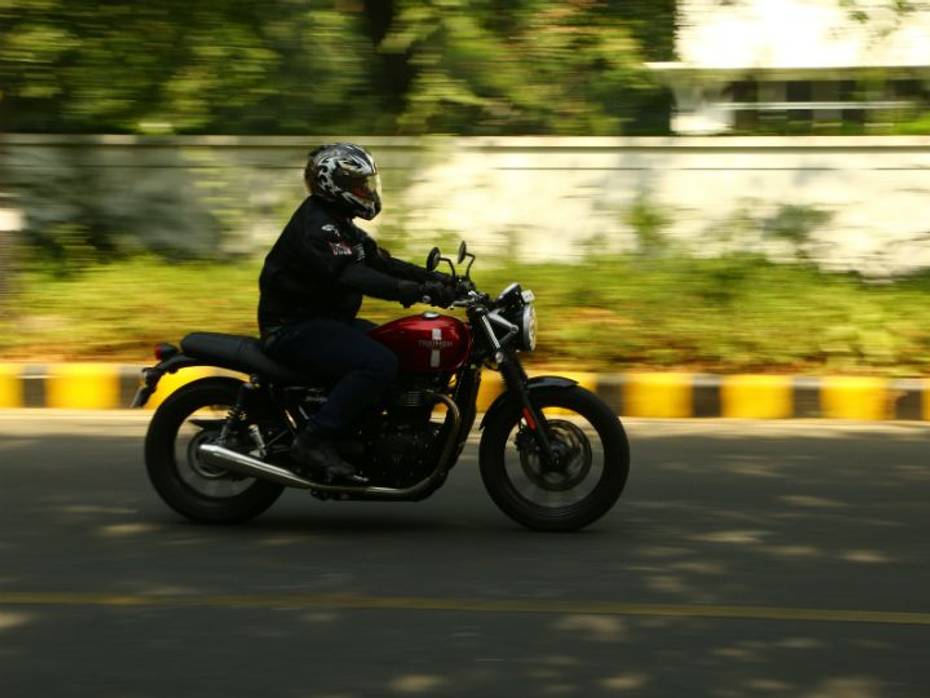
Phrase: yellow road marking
x=83 y=386
x=854 y=397
x=658 y=395
x=420 y=603
x=11 y=386
x=755 y=397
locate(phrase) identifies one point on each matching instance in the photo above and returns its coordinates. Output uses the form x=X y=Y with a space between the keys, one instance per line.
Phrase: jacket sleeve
x=402 y=269
x=405 y=270
x=376 y=269
x=370 y=281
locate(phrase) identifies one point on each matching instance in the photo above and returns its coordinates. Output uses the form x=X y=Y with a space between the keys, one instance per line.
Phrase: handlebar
x=467 y=296
x=465 y=293
x=472 y=298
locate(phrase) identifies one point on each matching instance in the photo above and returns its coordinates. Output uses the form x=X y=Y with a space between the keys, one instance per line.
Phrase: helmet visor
x=367 y=188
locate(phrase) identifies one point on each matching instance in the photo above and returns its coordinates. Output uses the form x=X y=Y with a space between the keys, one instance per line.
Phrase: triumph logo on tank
x=435 y=345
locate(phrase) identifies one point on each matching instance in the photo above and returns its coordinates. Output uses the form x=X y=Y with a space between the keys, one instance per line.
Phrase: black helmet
x=346 y=175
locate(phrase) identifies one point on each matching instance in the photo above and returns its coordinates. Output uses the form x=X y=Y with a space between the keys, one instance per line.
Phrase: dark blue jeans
x=339 y=351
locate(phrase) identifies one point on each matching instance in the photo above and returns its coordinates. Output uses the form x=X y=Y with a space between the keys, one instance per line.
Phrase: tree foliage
x=82 y=66
x=568 y=67
x=308 y=66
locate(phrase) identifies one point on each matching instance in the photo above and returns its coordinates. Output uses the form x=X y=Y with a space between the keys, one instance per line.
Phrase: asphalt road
x=744 y=559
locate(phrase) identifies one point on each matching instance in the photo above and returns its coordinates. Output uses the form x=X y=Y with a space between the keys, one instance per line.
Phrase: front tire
x=591 y=479
x=189 y=487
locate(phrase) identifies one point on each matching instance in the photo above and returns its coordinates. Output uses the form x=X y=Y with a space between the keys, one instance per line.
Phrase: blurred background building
x=817 y=66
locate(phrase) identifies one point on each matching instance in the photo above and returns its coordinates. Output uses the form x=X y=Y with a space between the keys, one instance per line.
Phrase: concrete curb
x=99 y=386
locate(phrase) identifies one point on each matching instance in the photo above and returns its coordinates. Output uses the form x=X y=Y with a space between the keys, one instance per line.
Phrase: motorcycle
x=552 y=455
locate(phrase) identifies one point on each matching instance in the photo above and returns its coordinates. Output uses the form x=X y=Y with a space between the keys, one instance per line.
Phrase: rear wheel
x=591 y=468
x=189 y=418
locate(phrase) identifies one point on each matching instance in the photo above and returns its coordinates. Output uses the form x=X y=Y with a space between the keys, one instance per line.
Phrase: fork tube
x=515 y=379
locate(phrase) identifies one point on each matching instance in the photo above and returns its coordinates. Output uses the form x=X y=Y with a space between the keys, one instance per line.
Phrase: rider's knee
x=383 y=365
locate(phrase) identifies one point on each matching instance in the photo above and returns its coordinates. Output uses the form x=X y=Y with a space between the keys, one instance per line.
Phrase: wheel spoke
x=205 y=479
x=579 y=465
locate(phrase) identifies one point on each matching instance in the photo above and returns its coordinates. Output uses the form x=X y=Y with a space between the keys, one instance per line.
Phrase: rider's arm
x=406 y=270
x=381 y=260
x=371 y=282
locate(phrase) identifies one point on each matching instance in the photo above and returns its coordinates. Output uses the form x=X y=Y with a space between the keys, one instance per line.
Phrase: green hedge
x=729 y=314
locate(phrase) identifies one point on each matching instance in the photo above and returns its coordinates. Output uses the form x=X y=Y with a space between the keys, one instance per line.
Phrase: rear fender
x=537 y=383
x=153 y=374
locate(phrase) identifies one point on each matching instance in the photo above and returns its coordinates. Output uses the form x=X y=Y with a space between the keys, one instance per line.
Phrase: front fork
x=515 y=379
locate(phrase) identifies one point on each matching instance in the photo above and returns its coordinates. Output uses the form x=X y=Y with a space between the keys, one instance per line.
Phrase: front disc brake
x=572 y=451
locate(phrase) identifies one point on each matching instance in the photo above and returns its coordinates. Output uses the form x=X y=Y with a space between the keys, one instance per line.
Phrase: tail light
x=165 y=351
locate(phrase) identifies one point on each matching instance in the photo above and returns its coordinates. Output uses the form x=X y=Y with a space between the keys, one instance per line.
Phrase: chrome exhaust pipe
x=244 y=464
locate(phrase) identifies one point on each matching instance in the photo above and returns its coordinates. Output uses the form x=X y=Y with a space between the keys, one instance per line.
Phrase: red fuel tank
x=426 y=343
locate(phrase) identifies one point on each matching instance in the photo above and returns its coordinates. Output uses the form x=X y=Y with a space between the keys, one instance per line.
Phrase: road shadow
x=707 y=518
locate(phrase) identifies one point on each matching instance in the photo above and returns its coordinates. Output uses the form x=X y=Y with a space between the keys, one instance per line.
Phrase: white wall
x=800 y=34
x=551 y=194
x=559 y=192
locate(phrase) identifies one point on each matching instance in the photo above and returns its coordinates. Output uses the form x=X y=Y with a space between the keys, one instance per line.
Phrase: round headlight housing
x=529 y=327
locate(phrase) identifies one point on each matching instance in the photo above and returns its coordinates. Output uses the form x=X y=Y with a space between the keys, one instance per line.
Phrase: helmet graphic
x=346 y=175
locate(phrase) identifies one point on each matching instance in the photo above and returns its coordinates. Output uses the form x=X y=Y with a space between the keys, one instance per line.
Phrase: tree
x=176 y=66
x=309 y=66
x=542 y=67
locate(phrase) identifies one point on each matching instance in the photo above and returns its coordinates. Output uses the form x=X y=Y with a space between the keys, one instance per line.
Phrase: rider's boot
x=321 y=457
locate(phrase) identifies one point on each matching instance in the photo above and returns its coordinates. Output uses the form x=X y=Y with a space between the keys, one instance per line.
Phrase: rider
x=312 y=285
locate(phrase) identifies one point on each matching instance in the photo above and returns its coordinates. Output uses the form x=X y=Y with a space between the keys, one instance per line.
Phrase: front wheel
x=591 y=468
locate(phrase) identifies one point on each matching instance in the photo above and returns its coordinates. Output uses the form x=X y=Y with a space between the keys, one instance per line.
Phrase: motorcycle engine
x=401 y=446
x=401 y=454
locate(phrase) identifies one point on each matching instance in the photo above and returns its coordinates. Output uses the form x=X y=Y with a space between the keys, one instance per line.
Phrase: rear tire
x=602 y=494
x=163 y=468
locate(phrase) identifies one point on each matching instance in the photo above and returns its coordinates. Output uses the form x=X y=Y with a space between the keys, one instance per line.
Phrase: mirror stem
x=451 y=266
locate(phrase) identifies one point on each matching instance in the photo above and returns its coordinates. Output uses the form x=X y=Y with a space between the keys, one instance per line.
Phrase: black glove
x=408 y=293
x=440 y=276
x=440 y=294
x=432 y=292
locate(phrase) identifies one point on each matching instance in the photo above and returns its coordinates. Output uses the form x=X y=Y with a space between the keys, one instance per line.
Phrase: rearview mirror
x=463 y=250
x=432 y=259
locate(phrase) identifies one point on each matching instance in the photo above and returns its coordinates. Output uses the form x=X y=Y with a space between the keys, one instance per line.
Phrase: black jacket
x=322 y=265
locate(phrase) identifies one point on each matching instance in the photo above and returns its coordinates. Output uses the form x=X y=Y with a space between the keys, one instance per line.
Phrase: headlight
x=529 y=327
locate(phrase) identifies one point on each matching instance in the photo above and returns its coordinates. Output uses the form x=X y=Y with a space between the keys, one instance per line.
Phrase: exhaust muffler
x=245 y=464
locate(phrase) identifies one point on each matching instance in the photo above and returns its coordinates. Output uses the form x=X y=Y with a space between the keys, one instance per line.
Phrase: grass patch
x=730 y=314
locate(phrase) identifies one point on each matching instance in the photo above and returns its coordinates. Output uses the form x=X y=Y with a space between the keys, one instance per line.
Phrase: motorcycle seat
x=243 y=354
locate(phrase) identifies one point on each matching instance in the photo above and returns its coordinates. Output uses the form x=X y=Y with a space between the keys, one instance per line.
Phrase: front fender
x=531 y=385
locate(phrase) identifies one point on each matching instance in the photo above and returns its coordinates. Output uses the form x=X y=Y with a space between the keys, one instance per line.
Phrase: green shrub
x=739 y=312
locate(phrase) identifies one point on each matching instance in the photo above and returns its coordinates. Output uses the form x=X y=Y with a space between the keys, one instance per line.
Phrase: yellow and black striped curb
x=661 y=395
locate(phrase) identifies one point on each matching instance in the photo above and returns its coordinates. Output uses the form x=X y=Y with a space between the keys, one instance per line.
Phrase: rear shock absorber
x=237 y=413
